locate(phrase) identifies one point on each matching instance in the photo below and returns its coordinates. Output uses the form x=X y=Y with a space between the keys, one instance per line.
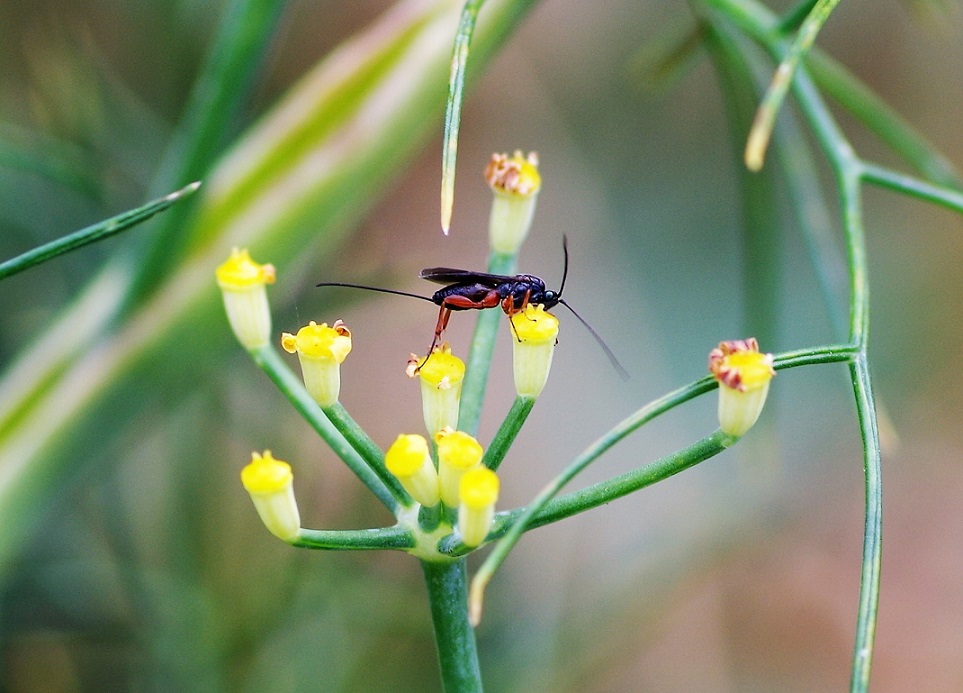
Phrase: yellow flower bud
x=478 y=492
x=744 y=375
x=321 y=351
x=441 y=376
x=534 y=334
x=242 y=283
x=457 y=453
x=515 y=182
x=270 y=483
x=409 y=460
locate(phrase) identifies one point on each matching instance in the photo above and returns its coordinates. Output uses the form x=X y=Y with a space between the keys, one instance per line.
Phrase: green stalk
x=360 y=539
x=454 y=636
x=270 y=361
x=872 y=528
x=505 y=436
x=480 y=354
x=373 y=456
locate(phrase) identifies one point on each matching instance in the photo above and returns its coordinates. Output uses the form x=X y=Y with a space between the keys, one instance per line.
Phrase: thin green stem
x=761 y=131
x=352 y=540
x=480 y=354
x=456 y=94
x=603 y=492
x=270 y=361
x=887 y=178
x=505 y=436
x=93 y=233
x=454 y=636
x=872 y=530
x=373 y=456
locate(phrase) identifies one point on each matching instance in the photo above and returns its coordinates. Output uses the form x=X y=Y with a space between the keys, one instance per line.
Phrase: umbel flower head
x=441 y=374
x=409 y=460
x=242 y=283
x=515 y=182
x=744 y=375
x=534 y=334
x=478 y=492
x=271 y=485
x=321 y=351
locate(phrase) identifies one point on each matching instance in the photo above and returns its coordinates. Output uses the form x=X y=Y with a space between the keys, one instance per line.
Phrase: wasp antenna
x=565 y=266
x=376 y=288
x=619 y=368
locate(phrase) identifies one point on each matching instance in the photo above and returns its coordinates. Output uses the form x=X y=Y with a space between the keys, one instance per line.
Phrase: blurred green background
x=148 y=569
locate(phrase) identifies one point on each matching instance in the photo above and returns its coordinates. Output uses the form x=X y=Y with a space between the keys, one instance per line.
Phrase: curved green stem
x=359 y=539
x=505 y=436
x=269 y=360
x=480 y=354
x=373 y=456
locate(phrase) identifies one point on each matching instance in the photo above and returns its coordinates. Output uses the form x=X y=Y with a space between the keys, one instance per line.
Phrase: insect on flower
x=471 y=290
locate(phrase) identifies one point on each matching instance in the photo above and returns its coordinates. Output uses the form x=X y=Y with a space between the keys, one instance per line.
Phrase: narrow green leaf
x=93 y=233
x=456 y=92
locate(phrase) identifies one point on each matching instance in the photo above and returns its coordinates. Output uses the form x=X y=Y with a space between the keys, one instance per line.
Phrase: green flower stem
x=619 y=432
x=373 y=456
x=456 y=94
x=505 y=436
x=480 y=353
x=94 y=232
x=886 y=178
x=360 y=539
x=455 y=638
x=872 y=530
x=270 y=361
x=603 y=492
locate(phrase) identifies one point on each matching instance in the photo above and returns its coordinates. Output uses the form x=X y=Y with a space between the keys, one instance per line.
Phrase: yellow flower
x=478 y=492
x=534 y=334
x=441 y=376
x=270 y=483
x=515 y=182
x=457 y=453
x=321 y=351
x=242 y=283
x=744 y=375
x=409 y=460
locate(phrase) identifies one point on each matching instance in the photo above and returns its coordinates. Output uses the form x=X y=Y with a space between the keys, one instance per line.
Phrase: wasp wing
x=449 y=275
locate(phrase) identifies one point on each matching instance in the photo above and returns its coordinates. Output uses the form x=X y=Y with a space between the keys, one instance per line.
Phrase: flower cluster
x=460 y=481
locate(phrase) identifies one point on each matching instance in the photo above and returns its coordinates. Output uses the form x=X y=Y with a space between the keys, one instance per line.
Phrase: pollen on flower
x=441 y=377
x=515 y=174
x=478 y=491
x=242 y=282
x=458 y=452
x=479 y=488
x=265 y=474
x=409 y=460
x=535 y=325
x=744 y=375
x=239 y=271
x=316 y=341
x=270 y=484
x=441 y=369
x=739 y=365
